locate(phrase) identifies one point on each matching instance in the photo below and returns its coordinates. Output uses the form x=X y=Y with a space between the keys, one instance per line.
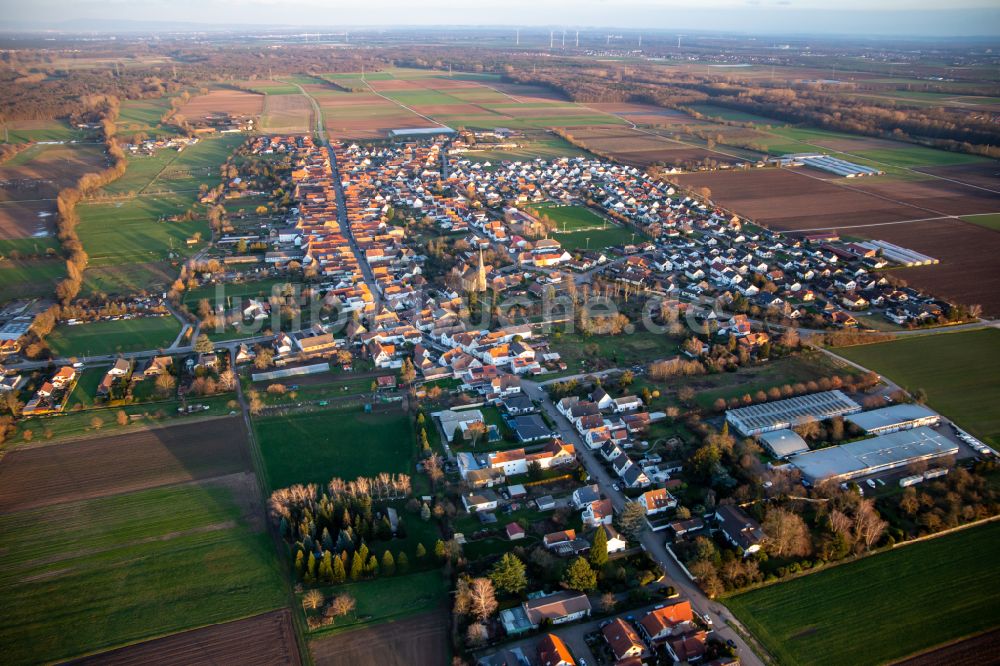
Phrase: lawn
x=913 y=598
x=596 y=239
x=170 y=169
x=107 y=337
x=317 y=446
x=959 y=371
x=722 y=112
x=391 y=598
x=570 y=218
x=91 y=575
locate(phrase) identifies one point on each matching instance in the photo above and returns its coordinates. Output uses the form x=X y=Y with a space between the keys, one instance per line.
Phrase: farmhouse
x=780 y=414
x=872 y=456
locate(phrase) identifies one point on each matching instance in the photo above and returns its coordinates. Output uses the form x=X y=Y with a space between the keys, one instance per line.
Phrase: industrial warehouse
x=894 y=418
x=871 y=456
x=780 y=414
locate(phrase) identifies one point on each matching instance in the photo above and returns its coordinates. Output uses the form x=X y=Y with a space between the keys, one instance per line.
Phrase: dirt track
x=42 y=476
x=266 y=639
x=417 y=641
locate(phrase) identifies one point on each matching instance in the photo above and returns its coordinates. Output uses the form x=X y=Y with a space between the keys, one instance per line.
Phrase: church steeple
x=481 y=277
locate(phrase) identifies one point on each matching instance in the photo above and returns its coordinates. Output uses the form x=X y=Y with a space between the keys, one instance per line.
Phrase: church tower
x=481 y=276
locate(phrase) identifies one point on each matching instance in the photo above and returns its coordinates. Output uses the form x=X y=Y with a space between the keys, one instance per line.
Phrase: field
x=570 y=218
x=143 y=116
x=25 y=131
x=421 y=640
x=596 y=239
x=30 y=278
x=644 y=148
x=918 y=596
x=919 y=214
x=268 y=638
x=131 y=239
x=617 y=350
x=123 y=463
x=959 y=372
x=233 y=102
x=400 y=98
x=539 y=144
x=30 y=181
x=990 y=221
x=286 y=113
x=123 y=568
x=107 y=337
x=315 y=447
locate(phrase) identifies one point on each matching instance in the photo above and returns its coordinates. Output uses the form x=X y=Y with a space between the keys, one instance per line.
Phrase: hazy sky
x=889 y=17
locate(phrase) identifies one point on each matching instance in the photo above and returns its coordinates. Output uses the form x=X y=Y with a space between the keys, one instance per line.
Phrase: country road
x=652 y=542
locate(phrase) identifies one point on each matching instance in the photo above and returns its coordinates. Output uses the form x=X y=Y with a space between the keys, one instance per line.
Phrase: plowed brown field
x=263 y=639
x=421 y=640
x=43 y=475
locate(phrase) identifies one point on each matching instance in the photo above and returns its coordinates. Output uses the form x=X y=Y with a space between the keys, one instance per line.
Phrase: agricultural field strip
x=402 y=106
x=941 y=215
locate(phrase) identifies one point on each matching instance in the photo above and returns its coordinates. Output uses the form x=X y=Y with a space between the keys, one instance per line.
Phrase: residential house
x=553 y=652
x=623 y=640
x=481 y=500
x=661 y=624
x=657 y=501
x=739 y=529
x=559 y=608
x=598 y=512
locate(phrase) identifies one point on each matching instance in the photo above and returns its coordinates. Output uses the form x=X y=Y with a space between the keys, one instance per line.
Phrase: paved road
x=652 y=543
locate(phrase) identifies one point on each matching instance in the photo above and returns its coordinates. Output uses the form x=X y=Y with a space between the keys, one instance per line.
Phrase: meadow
x=143 y=115
x=959 y=371
x=317 y=446
x=903 y=601
x=124 y=568
x=107 y=337
x=25 y=131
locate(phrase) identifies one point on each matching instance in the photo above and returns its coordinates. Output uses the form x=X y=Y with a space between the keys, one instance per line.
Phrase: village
x=620 y=514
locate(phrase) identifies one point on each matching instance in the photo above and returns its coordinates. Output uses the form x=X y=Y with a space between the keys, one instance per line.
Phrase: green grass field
x=883 y=607
x=990 y=221
x=43 y=130
x=571 y=218
x=387 y=599
x=30 y=278
x=169 y=169
x=96 y=574
x=597 y=239
x=317 y=446
x=623 y=350
x=143 y=115
x=108 y=337
x=959 y=371
x=730 y=114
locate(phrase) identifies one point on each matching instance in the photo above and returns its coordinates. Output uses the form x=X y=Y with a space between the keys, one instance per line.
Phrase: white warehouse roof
x=870 y=456
x=779 y=414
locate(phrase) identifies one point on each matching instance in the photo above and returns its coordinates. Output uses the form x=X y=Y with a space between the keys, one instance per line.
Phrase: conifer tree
x=388 y=563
